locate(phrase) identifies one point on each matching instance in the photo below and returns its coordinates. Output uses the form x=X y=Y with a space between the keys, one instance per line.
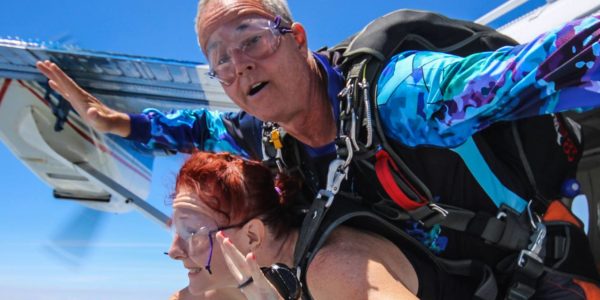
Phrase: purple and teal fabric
x=434 y=99
x=184 y=131
x=437 y=99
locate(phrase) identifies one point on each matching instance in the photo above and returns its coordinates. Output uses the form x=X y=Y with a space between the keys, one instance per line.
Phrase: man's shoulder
x=246 y=131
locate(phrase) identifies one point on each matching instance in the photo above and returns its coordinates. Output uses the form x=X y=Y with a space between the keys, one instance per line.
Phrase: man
x=261 y=58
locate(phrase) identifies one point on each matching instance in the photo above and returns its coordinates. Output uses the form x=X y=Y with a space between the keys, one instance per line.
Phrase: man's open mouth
x=257 y=87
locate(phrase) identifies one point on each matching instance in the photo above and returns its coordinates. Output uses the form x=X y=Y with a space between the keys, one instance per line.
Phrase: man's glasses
x=260 y=39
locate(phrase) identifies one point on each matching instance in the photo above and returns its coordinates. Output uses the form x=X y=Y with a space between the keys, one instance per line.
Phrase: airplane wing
x=100 y=171
x=541 y=19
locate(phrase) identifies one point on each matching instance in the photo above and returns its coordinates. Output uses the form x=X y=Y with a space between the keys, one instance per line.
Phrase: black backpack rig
x=362 y=147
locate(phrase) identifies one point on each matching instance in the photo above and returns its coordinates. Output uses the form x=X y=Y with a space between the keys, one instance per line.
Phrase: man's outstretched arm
x=429 y=98
x=182 y=130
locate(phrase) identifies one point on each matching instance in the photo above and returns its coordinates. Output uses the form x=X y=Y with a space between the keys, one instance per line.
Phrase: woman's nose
x=176 y=251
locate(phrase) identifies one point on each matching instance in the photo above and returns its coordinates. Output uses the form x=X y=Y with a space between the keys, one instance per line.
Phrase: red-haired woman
x=237 y=204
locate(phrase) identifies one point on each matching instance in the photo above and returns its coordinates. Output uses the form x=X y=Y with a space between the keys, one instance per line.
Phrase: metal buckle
x=529 y=260
x=434 y=215
x=535 y=247
x=338 y=170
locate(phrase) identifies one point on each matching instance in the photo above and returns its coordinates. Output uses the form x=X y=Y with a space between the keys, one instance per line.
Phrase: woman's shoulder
x=182 y=294
x=349 y=241
x=185 y=294
x=360 y=258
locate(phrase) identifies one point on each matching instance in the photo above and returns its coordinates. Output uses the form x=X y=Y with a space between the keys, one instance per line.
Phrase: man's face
x=272 y=87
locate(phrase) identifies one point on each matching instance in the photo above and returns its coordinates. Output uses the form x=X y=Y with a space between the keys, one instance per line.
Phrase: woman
x=238 y=202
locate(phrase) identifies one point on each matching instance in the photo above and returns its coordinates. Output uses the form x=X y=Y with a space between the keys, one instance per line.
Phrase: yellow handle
x=276 y=139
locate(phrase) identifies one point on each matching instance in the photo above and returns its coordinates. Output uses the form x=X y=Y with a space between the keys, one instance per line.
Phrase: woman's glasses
x=196 y=238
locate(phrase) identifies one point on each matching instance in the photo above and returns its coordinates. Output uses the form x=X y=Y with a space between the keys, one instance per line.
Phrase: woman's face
x=195 y=225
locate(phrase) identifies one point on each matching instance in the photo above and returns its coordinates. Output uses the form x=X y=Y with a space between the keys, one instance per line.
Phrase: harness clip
x=537 y=243
x=337 y=172
x=429 y=215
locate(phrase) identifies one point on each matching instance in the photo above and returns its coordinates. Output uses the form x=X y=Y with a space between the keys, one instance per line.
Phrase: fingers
x=55 y=87
x=244 y=268
x=44 y=67
x=61 y=77
x=59 y=80
x=233 y=258
x=49 y=70
x=255 y=270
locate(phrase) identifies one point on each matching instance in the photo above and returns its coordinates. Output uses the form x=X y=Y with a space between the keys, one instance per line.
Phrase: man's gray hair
x=276 y=7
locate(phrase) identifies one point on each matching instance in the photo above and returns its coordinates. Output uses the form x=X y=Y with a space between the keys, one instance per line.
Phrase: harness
x=362 y=146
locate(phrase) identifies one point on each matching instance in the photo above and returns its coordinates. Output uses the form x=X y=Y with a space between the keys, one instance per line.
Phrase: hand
x=94 y=112
x=243 y=268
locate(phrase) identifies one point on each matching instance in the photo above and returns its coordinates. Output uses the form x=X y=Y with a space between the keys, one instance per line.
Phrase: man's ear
x=299 y=35
x=255 y=233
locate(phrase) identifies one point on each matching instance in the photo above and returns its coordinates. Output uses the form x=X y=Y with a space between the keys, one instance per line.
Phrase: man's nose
x=241 y=62
x=176 y=251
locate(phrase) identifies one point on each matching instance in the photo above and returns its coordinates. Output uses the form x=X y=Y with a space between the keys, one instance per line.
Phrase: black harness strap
x=540 y=202
x=505 y=230
x=310 y=226
x=487 y=287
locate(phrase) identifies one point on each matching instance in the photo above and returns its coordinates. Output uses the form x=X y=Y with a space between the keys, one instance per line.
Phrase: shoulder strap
x=539 y=201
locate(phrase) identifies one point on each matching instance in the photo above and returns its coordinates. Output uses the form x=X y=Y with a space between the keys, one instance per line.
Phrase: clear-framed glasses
x=198 y=236
x=259 y=39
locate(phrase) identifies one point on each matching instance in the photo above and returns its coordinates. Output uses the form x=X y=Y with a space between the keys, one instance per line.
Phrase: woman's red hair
x=237 y=188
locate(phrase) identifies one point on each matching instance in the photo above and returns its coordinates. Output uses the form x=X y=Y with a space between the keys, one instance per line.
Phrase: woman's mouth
x=194 y=271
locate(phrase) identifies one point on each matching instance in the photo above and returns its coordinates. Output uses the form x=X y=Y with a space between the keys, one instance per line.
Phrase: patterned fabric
x=437 y=99
x=184 y=131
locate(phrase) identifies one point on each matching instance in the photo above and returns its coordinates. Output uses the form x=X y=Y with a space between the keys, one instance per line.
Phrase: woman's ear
x=255 y=233
x=299 y=35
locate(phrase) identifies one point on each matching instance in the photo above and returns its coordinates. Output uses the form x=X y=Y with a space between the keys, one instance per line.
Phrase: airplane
x=108 y=173
x=99 y=171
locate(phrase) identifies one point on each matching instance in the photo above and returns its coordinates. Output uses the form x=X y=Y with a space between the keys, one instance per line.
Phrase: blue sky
x=126 y=260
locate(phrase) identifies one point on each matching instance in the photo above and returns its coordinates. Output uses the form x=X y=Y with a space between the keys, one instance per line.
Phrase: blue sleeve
x=437 y=99
x=183 y=131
